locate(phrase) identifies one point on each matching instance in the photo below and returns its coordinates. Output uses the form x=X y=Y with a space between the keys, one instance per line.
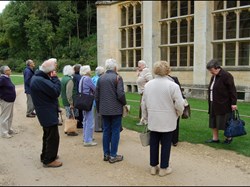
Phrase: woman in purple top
x=87 y=86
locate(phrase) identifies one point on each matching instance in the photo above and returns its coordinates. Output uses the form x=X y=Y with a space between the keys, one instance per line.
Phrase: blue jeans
x=88 y=126
x=111 y=134
x=157 y=138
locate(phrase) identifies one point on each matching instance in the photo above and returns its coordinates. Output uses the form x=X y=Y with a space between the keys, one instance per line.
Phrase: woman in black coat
x=222 y=99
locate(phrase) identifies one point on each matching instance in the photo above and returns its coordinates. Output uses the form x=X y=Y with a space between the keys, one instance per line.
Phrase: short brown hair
x=161 y=68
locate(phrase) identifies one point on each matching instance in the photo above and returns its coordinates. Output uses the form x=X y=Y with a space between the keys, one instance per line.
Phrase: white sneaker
x=7 y=136
x=89 y=144
x=154 y=170
x=164 y=172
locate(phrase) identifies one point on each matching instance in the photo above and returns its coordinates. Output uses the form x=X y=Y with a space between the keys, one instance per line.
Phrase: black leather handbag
x=83 y=101
x=235 y=126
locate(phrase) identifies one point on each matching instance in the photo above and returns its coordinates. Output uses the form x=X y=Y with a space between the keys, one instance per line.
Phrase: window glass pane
x=231 y=25
x=183 y=8
x=138 y=13
x=130 y=15
x=173 y=56
x=218 y=5
x=164 y=53
x=218 y=27
x=164 y=33
x=191 y=55
x=130 y=37
x=130 y=58
x=231 y=4
x=173 y=9
x=173 y=32
x=123 y=16
x=138 y=55
x=191 y=30
x=183 y=56
x=123 y=35
x=183 y=30
x=244 y=24
x=138 y=36
x=244 y=53
x=244 y=3
x=230 y=54
x=164 y=9
x=123 y=58
x=192 y=7
x=217 y=51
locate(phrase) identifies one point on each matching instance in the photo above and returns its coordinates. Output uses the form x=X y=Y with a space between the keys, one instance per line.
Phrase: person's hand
x=71 y=106
x=233 y=107
x=53 y=74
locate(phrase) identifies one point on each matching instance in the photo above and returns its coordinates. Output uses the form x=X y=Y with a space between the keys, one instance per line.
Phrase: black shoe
x=228 y=141
x=212 y=141
x=72 y=134
x=106 y=157
x=30 y=116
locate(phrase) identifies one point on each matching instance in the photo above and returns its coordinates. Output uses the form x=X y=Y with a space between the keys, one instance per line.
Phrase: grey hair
x=99 y=70
x=48 y=66
x=28 y=62
x=142 y=62
x=3 y=69
x=85 y=70
x=111 y=64
x=213 y=64
x=68 y=70
x=53 y=60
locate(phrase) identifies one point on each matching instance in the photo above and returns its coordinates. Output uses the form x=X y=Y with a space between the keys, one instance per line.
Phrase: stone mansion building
x=187 y=34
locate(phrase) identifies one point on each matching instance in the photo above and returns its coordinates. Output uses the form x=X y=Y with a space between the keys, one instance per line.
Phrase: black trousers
x=50 y=144
x=79 y=118
x=157 y=138
x=175 y=138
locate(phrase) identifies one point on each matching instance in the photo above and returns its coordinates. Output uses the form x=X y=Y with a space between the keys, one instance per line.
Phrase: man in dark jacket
x=7 y=99
x=45 y=90
x=27 y=75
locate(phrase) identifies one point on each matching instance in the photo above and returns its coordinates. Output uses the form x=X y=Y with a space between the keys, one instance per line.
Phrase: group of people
x=162 y=104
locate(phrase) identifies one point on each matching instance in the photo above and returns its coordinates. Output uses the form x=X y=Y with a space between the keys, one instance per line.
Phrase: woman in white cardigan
x=162 y=103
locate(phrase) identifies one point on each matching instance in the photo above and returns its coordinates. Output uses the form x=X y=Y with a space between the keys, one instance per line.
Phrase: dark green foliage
x=44 y=29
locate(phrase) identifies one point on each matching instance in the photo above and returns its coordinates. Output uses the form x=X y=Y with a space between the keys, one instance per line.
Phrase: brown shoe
x=53 y=164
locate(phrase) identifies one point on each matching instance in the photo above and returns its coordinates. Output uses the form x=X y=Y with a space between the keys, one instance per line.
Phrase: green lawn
x=194 y=130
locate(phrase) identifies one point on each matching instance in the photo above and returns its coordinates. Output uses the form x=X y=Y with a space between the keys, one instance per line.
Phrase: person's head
x=111 y=64
x=30 y=63
x=161 y=68
x=99 y=70
x=48 y=66
x=68 y=70
x=77 y=68
x=141 y=65
x=85 y=70
x=54 y=60
x=5 y=70
x=213 y=66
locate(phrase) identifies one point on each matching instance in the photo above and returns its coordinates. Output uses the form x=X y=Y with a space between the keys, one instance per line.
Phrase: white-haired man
x=45 y=90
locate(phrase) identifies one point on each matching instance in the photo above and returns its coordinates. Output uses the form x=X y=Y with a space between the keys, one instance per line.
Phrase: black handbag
x=187 y=111
x=235 y=126
x=83 y=101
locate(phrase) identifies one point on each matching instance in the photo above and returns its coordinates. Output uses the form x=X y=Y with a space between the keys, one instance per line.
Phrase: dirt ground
x=195 y=165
